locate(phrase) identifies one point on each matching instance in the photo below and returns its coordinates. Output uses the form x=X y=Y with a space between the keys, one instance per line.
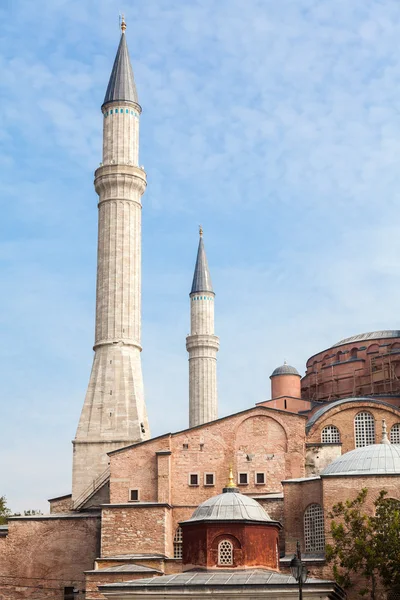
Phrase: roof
x=201 y=278
x=377 y=459
x=126 y=568
x=371 y=335
x=221 y=578
x=285 y=369
x=121 y=85
x=319 y=413
x=230 y=506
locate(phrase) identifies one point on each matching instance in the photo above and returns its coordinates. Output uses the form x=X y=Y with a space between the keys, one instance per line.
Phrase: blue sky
x=276 y=125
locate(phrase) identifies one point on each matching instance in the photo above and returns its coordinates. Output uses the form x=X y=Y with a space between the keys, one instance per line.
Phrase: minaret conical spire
x=202 y=278
x=202 y=345
x=121 y=85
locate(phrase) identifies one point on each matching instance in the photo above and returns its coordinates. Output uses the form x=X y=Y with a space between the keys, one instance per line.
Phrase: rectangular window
x=243 y=479
x=209 y=479
x=260 y=478
x=133 y=495
x=185 y=446
x=193 y=479
x=69 y=593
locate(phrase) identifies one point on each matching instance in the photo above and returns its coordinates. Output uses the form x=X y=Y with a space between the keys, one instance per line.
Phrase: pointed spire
x=122 y=84
x=202 y=278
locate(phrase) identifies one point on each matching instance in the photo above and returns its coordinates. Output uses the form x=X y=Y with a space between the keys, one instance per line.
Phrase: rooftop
x=225 y=578
x=371 y=335
x=121 y=85
x=377 y=459
x=328 y=406
x=230 y=506
x=201 y=278
x=285 y=369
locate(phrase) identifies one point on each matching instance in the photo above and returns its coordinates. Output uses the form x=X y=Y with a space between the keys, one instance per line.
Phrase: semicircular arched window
x=225 y=553
x=330 y=435
x=314 y=536
x=364 y=429
x=178 y=543
x=395 y=434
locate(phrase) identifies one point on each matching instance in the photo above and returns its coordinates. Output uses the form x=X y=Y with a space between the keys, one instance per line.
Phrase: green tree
x=4 y=511
x=365 y=545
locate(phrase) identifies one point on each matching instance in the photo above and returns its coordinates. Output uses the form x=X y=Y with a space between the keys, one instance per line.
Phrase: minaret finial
x=231 y=483
x=200 y=231
x=385 y=439
x=123 y=23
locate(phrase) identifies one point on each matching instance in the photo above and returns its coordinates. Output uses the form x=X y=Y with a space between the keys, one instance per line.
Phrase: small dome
x=230 y=507
x=377 y=459
x=285 y=369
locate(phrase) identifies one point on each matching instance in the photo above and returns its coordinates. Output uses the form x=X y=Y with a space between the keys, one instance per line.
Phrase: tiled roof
x=285 y=369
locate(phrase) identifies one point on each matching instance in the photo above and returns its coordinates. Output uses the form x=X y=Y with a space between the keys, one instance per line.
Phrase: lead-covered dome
x=285 y=369
x=230 y=506
x=377 y=459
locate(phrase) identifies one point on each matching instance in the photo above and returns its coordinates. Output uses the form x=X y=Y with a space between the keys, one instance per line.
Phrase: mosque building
x=146 y=516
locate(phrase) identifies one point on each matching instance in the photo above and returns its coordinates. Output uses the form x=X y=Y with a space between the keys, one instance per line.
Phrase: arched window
x=395 y=434
x=364 y=429
x=314 y=537
x=178 y=543
x=354 y=353
x=338 y=356
x=395 y=347
x=225 y=553
x=330 y=435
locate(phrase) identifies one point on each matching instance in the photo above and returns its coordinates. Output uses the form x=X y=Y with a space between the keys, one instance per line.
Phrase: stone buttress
x=202 y=345
x=114 y=411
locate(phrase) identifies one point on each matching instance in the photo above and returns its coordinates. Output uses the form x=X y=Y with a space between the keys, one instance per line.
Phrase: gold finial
x=231 y=483
x=200 y=231
x=123 y=23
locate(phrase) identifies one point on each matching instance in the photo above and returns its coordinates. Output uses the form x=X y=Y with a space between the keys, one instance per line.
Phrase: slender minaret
x=202 y=345
x=114 y=411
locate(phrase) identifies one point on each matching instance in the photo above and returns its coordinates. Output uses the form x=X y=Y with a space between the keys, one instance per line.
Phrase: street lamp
x=298 y=570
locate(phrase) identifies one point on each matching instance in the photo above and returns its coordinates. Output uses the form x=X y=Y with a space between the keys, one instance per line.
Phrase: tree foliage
x=364 y=544
x=4 y=511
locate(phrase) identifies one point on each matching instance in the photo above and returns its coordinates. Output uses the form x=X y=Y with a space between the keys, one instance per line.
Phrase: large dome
x=230 y=506
x=377 y=459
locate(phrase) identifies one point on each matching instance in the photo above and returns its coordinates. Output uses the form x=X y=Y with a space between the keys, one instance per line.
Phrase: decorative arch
x=339 y=356
x=373 y=348
x=395 y=347
x=395 y=434
x=330 y=435
x=264 y=434
x=314 y=534
x=364 y=429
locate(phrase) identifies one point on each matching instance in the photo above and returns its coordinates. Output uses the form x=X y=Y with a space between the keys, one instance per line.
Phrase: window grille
x=225 y=553
x=394 y=593
x=364 y=429
x=330 y=435
x=395 y=434
x=178 y=543
x=314 y=529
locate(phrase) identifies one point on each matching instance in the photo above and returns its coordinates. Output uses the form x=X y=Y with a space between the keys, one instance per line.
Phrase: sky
x=276 y=125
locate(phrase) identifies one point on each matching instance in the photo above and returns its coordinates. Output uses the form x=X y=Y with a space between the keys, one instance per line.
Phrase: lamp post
x=298 y=570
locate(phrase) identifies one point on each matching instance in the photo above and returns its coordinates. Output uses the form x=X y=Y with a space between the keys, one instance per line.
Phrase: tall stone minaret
x=114 y=411
x=202 y=345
